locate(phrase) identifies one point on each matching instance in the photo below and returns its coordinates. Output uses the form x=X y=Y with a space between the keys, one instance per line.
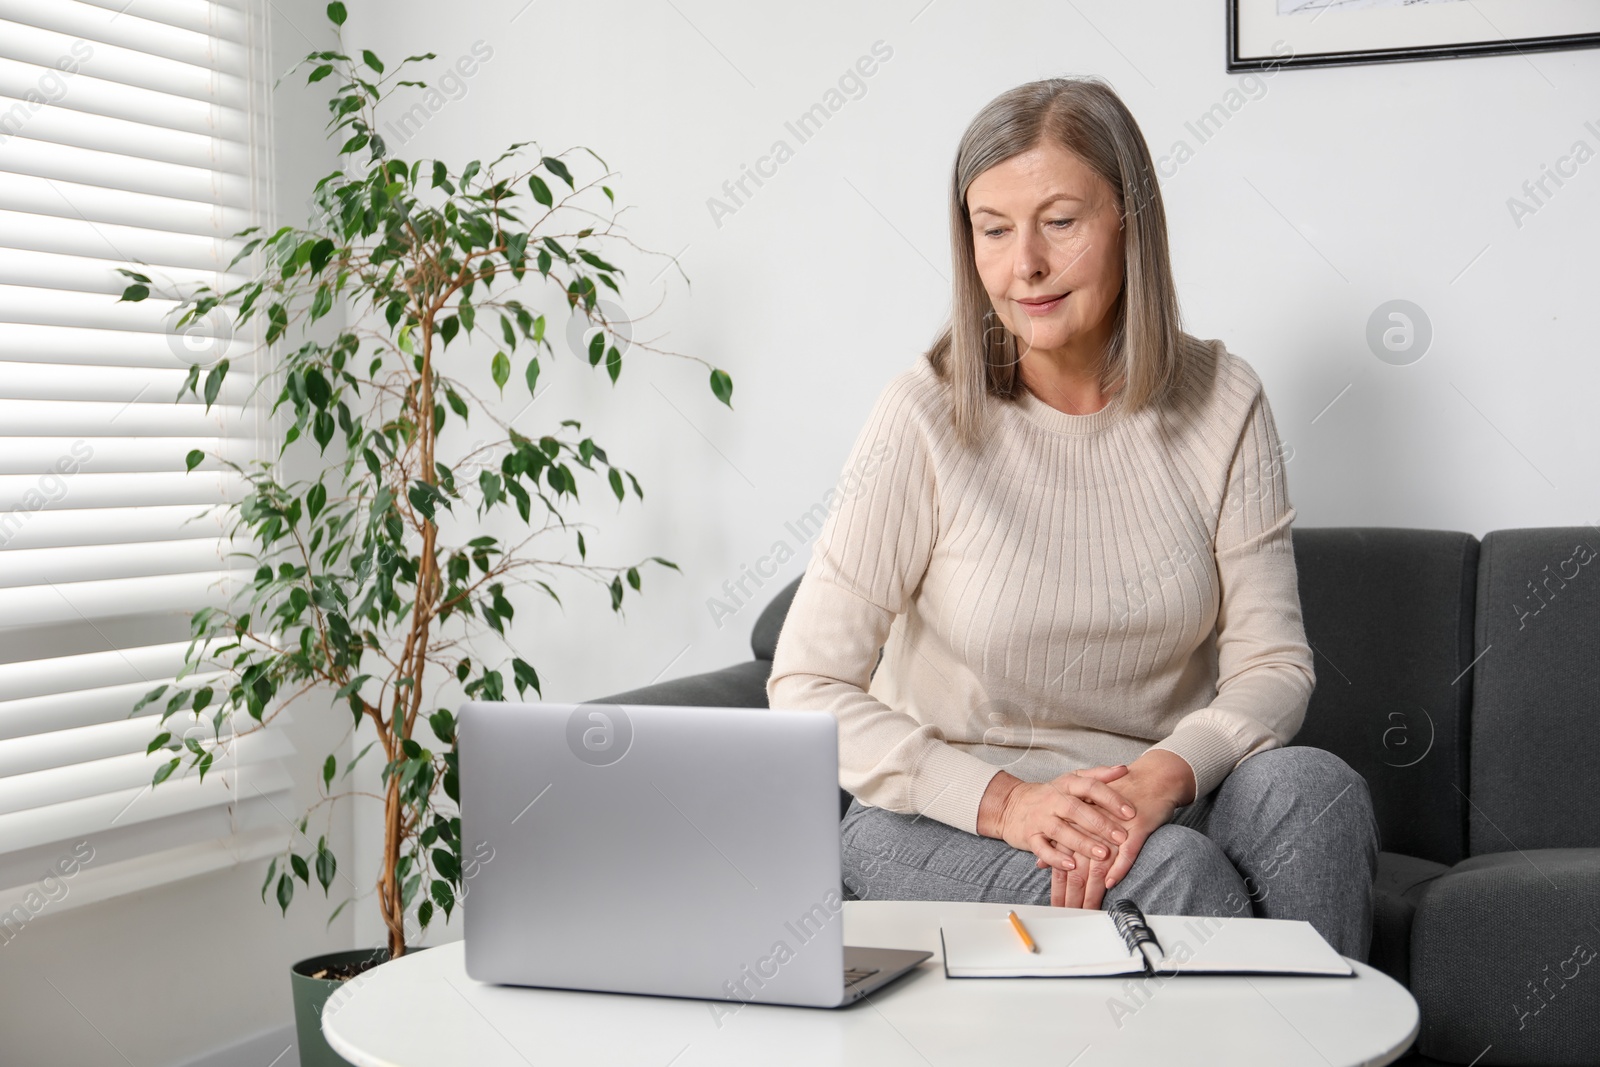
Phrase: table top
x=423 y=1011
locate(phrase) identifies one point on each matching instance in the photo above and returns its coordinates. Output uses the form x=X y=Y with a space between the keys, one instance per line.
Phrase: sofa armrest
x=1505 y=959
x=1399 y=885
x=744 y=685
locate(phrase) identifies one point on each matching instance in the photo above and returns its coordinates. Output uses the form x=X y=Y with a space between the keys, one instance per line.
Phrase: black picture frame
x=1464 y=50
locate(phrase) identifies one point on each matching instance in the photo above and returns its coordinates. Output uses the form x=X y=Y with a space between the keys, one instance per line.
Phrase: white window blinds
x=129 y=137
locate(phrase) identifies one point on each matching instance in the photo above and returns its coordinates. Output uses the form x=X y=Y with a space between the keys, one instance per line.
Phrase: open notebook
x=1123 y=940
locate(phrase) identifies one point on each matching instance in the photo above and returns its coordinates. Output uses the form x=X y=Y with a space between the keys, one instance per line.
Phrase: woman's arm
x=868 y=560
x=1265 y=672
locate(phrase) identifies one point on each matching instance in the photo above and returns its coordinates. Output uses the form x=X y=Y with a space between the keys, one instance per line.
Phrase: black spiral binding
x=1131 y=924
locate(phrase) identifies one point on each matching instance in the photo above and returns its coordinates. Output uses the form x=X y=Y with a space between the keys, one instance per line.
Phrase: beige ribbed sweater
x=1083 y=588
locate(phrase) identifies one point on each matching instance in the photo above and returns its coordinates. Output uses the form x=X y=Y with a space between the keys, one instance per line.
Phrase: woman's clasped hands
x=1089 y=832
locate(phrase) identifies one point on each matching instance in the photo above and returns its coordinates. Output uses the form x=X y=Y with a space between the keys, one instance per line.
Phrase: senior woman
x=1059 y=623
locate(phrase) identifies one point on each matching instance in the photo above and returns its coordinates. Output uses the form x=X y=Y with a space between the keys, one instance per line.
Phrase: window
x=129 y=137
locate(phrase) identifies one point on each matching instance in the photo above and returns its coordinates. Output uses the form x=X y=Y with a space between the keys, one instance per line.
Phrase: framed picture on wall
x=1268 y=34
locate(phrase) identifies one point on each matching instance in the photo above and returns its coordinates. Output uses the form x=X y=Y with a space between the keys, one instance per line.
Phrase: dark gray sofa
x=1462 y=679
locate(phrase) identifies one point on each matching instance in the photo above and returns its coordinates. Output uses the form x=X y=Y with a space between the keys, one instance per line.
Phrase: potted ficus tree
x=374 y=574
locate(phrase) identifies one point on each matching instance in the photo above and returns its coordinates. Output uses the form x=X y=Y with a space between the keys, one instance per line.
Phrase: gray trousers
x=1289 y=834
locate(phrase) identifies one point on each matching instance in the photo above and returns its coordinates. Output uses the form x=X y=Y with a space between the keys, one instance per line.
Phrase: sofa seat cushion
x=1505 y=959
x=1398 y=886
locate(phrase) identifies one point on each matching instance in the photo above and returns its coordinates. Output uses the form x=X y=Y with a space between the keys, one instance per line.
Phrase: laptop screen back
x=670 y=850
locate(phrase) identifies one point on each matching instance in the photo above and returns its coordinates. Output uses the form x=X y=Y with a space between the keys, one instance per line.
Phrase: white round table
x=423 y=1011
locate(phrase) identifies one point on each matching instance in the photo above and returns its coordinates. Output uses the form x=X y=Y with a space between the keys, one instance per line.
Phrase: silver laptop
x=677 y=851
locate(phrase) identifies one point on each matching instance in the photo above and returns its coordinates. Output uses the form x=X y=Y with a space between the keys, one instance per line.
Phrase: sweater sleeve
x=867 y=564
x=1264 y=665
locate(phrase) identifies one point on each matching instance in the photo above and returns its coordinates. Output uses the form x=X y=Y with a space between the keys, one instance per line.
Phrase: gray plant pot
x=311 y=995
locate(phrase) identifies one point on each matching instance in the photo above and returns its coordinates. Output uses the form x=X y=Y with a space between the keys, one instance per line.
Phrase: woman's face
x=1044 y=224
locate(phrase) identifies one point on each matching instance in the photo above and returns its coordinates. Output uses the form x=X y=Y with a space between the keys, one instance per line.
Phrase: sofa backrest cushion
x=1536 y=691
x=1388 y=614
x=764 y=637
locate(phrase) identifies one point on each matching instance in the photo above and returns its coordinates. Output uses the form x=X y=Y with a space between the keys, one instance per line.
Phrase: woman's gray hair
x=1087 y=118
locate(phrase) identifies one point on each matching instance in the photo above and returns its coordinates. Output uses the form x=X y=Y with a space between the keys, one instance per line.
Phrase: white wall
x=1326 y=193
x=172 y=973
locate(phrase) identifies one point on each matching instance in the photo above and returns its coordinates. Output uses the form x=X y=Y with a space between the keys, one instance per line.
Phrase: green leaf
x=722 y=386
x=559 y=169
x=524 y=676
x=444 y=861
x=318 y=391
x=541 y=191
x=301 y=871
x=501 y=369
x=316 y=499
x=135 y=293
x=633 y=578
x=322 y=428
x=164 y=772
x=445 y=896
x=371 y=60
x=329 y=765
x=533 y=376
x=421 y=496
x=616 y=483
x=596 y=262
x=155 y=694
x=440 y=173
x=285 y=883
x=329 y=924
x=336 y=14
x=424 y=913
x=327 y=866
x=351 y=765
x=321 y=252
x=277 y=322
x=194 y=459
x=272 y=869
x=157 y=742
x=320 y=73
x=214 y=382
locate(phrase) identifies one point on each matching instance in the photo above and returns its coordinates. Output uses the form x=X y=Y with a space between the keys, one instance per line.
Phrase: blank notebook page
x=1088 y=945
x=1241 y=946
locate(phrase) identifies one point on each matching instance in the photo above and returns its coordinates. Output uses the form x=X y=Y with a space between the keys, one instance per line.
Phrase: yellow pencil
x=1022 y=932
